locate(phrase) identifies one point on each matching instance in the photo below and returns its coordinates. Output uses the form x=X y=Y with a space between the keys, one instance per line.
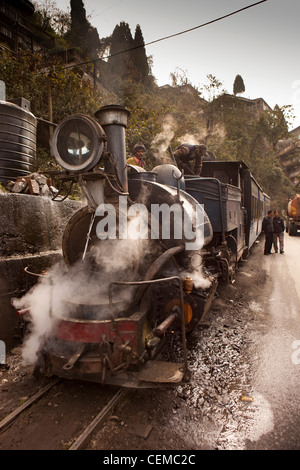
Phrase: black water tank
x=17 y=140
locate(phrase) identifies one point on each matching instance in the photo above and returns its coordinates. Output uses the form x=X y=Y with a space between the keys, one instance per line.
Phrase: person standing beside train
x=268 y=228
x=278 y=225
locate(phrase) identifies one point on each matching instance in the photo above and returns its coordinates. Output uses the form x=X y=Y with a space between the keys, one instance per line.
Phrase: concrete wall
x=31 y=229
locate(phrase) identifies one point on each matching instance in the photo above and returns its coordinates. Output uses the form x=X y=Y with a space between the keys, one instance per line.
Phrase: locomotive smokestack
x=113 y=119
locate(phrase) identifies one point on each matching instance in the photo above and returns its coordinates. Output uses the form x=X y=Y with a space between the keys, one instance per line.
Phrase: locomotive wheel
x=192 y=315
x=74 y=237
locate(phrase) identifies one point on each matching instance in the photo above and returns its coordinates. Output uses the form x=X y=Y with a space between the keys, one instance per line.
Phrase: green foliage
x=270 y=176
x=36 y=77
x=50 y=18
x=252 y=137
x=212 y=88
x=41 y=79
x=145 y=112
x=275 y=123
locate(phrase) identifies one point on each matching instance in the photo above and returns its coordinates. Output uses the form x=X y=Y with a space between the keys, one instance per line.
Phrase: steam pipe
x=162 y=328
x=113 y=119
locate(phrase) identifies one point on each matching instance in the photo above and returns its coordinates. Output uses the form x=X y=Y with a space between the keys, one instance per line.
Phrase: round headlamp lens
x=78 y=143
x=75 y=143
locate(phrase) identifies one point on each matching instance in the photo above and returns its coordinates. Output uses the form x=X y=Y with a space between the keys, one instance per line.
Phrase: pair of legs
x=278 y=236
x=268 y=243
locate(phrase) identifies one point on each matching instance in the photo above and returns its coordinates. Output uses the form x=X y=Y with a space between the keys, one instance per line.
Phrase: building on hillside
x=90 y=70
x=295 y=133
x=18 y=30
x=255 y=106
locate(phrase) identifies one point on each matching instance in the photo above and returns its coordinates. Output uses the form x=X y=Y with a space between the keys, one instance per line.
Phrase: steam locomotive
x=143 y=258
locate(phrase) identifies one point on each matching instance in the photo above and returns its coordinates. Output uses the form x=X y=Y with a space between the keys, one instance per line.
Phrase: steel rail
x=80 y=441
x=14 y=414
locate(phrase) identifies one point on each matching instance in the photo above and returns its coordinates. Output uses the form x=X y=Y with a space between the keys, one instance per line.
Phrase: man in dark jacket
x=267 y=226
x=278 y=225
x=189 y=158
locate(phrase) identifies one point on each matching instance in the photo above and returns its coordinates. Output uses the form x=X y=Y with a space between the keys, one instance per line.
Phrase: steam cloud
x=86 y=283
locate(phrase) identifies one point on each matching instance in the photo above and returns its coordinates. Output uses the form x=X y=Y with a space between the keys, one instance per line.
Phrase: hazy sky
x=261 y=43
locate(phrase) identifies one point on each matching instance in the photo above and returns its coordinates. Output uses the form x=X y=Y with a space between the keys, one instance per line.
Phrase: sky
x=261 y=43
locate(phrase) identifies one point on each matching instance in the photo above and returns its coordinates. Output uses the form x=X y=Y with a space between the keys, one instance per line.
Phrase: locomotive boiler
x=142 y=259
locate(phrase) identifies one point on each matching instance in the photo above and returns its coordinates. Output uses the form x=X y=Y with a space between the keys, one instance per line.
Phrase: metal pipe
x=162 y=328
x=113 y=119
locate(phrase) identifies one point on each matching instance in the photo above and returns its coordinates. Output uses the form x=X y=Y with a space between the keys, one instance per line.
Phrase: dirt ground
x=200 y=414
x=192 y=416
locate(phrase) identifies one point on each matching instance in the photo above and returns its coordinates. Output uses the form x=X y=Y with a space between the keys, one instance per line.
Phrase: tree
x=179 y=78
x=51 y=18
x=120 y=62
x=212 y=88
x=128 y=60
x=82 y=34
x=31 y=76
x=276 y=124
x=238 y=85
x=140 y=58
x=213 y=92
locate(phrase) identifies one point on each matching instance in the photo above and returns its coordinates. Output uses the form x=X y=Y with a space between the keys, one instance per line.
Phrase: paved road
x=276 y=421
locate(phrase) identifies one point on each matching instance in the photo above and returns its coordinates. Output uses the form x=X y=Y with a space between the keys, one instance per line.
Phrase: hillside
x=233 y=127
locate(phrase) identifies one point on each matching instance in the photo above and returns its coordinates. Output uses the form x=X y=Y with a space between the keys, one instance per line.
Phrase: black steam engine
x=135 y=292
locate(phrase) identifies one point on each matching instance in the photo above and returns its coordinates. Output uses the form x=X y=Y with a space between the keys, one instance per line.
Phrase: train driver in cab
x=189 y=158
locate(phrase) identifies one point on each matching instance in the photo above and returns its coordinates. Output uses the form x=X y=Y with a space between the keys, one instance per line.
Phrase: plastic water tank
x=17 y=140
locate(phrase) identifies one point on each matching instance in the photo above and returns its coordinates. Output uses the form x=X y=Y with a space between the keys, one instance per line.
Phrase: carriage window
x=254 y=208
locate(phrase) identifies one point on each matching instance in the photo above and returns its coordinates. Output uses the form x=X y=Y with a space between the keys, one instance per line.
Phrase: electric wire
x=93 y=61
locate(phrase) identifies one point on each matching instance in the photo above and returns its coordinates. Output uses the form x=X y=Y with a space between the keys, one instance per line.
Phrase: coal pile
x=220 y=402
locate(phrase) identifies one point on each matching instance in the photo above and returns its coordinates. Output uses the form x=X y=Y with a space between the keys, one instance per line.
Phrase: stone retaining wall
x=31 y=229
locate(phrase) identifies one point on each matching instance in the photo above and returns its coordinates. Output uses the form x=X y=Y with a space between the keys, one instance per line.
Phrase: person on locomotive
x=267 y=226
x=189 y=158
x=279 y=227
x=138 y=156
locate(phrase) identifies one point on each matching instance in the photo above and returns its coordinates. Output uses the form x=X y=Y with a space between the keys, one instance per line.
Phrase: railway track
x=34 y=425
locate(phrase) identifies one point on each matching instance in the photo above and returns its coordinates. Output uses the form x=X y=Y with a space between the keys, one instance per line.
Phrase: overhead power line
x=170 y=36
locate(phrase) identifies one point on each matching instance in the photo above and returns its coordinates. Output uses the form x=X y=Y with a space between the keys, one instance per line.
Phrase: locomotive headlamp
x=78 y=143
